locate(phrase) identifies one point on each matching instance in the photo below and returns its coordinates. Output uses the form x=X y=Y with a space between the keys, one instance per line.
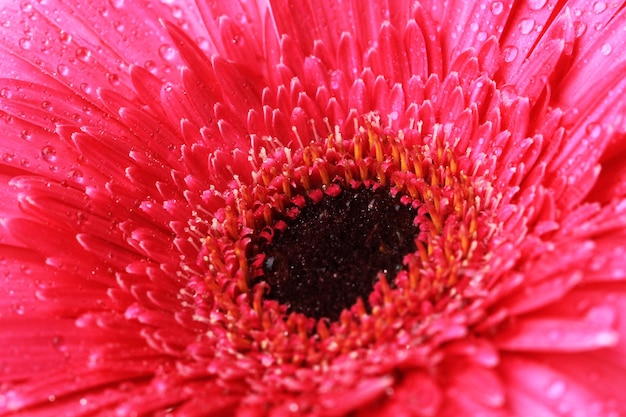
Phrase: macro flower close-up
x=297 y=208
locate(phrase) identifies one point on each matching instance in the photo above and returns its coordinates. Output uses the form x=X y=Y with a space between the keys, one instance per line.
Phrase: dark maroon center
x=332 y=252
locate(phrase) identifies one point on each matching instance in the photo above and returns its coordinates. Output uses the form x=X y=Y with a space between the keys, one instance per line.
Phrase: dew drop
x=114 y=79
x=474 y=26
x=46 y=105
x=482 y=36
x=85 y=88
x=19 y=309
x=599 y=7
x=63 y=70
x=509 y=53
x=26 y=7
x=119 y=26
x=536 y=4
x=594 y=130
x=117 y=4
x=8 y=156
x=150 y=66
x=65 y=37
x=497 y=7
x=26 y=43
x=167 y=52
x=83 y=54
x=606 y=49
x=526 y=26
x=49 y=153
x=579 y=29
x=177 y=12
x=203 y=43
x=75 y=175
x=5 y=93
x=26 y=134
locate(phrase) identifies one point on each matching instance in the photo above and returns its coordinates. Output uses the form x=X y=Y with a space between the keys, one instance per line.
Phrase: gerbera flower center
x=331 y=253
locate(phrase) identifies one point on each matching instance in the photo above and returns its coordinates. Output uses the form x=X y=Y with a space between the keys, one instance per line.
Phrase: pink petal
x=536 y=386
x=544 y=334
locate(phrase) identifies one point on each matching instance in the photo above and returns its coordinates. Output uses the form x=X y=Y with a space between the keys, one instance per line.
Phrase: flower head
x=358 y=208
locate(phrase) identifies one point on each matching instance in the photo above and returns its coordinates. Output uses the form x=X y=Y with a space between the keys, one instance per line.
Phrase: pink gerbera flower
x=358 y=208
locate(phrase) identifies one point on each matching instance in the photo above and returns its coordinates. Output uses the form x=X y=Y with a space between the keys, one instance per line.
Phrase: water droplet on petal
x=579 y=28
x=114 y=79
x=65 y=37
x=26 y=7
x=85 y=88
x=536 y=4
x=526 y=26
x=117 y=4
x=594 y=130
x=599 y=7
x=606 y=49
x=49 y=153
x=26 y=43
x=5 y=93
x=150 y=66
x=474 y=26
x=19 y=309
x=497 y=7
x=26 y=134
x=203 y=43
x=75 y=175
x=63 y=70
x=83 y=54
x=509 y=53
x=46 y=105
x=167 y=52
x=8 y=156
x=177 y=12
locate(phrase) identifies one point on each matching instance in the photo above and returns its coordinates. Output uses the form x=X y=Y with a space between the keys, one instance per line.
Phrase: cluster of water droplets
x=529 y=25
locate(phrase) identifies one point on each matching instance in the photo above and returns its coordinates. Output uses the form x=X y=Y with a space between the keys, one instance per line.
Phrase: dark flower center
x=331 y=253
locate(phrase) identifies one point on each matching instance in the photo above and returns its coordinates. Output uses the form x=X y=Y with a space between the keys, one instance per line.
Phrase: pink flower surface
x=147 y=146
